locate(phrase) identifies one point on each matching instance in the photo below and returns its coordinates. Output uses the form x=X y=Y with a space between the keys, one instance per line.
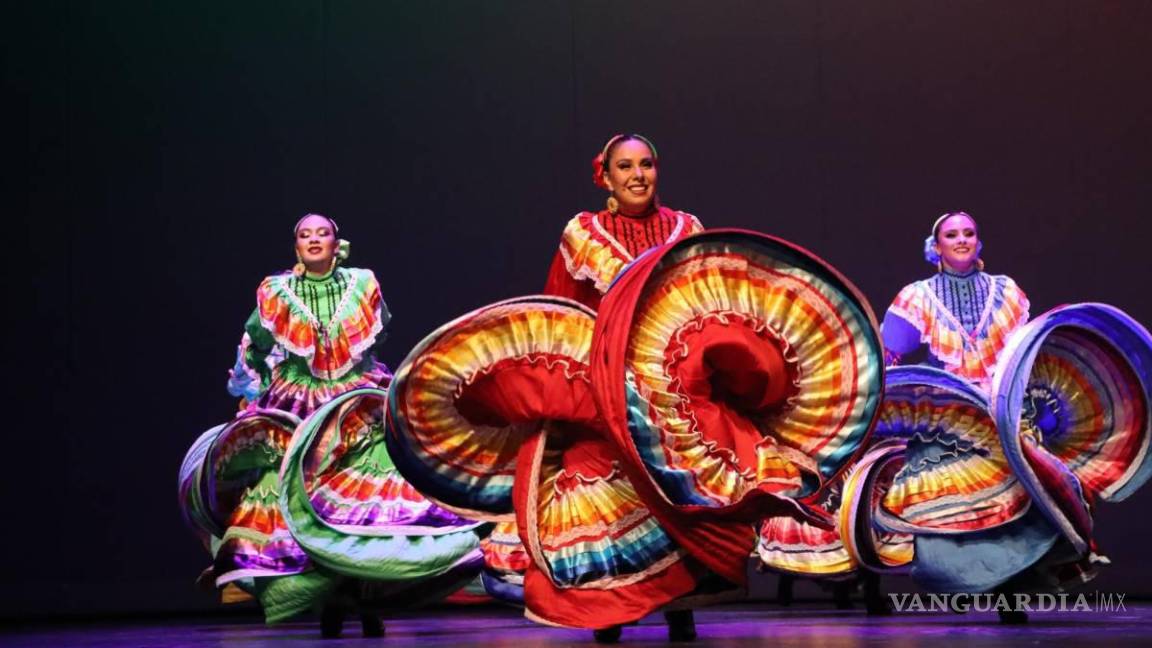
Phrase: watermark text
x=1002 y=602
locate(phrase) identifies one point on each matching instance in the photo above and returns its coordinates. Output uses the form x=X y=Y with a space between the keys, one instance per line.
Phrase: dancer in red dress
x=596 y=246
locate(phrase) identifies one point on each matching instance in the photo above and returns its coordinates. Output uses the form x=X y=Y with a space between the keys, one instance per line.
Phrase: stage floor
x=742 y=625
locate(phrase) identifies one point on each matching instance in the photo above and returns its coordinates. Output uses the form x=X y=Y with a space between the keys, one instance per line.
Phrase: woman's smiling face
x=957 y=242
x=631 y=176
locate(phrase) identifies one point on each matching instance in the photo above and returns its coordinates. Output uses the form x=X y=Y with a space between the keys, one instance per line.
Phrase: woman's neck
x=643 y=213
x=318 y=274
x=968 y=271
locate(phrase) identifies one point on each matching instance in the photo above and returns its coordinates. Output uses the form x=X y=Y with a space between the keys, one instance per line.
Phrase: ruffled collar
x=591 y=252
x=331 y=348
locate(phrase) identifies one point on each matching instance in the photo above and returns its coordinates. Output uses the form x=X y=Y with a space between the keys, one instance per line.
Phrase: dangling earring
x=939 y=266
x=980 y=265
x=613 y=204
x=298 y=269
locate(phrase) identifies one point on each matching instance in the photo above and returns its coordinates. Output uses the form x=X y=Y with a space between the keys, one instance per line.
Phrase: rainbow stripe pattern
x=795 y=544
x=468 y=465
x=240 y=490
x=353 y=514
x=590 y=252
x=971 y=355
x=864 y=487
x=351 y=331
x=587 y=525
x=1071 y=402
x=493 y=412
x=955 y=477
x=755 y=292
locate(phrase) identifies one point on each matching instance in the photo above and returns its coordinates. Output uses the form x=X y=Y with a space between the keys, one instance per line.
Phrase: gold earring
x=939 y=266
x=980 y=265
x=298 y=269
x=613 y=204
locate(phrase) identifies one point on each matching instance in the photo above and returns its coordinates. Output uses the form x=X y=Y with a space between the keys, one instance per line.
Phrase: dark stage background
x=160 y=153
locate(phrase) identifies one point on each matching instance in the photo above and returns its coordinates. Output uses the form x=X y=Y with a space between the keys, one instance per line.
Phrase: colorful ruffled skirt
x=294 y=509
x=492 y=417
x=740 y=375
x=970 y=492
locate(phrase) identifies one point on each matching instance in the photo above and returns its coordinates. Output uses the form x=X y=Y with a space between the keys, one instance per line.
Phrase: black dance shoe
x=842 y=594
x=681 y=625
x=331 y=622
x=371 y=624
x=875 y=602
x=784 y=588
x=609 y=635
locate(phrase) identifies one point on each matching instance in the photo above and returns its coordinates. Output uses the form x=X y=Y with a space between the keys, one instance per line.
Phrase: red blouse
x=595 y=247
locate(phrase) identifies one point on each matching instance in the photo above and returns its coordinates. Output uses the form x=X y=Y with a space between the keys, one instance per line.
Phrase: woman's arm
x=251 y=374
x=900 y=338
